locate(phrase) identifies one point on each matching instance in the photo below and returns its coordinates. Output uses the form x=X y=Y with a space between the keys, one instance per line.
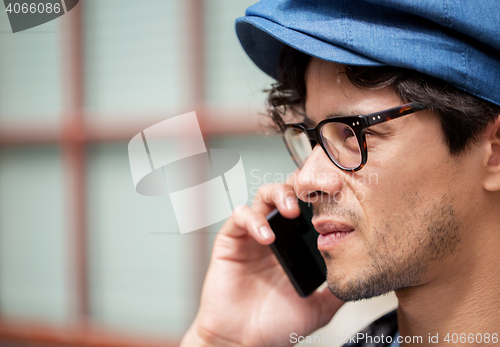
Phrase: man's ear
x=492 y=159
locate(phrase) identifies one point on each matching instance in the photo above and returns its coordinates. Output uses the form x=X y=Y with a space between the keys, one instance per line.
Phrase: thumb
x=328 y=304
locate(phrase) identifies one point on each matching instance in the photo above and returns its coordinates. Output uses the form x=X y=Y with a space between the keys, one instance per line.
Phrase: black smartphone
x=296 y=248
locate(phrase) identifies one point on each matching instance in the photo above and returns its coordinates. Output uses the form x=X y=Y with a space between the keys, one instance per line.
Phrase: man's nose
x=318 y=176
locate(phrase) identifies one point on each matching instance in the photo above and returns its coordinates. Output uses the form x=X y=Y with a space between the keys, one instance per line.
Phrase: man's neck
x=464 y=301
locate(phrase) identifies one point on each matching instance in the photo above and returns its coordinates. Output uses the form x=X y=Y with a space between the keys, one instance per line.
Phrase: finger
x=326 y=297
x=280 y=196
x=247 y=221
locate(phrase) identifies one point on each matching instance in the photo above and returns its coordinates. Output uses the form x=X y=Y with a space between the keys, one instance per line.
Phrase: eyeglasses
x=342 y=138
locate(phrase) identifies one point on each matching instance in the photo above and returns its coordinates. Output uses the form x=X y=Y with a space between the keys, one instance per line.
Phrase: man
x=426 y=72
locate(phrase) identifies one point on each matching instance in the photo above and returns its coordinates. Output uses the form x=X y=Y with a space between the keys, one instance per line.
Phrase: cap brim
x=263 y=40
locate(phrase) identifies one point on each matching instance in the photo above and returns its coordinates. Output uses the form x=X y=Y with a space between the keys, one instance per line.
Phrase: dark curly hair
x=463 y=116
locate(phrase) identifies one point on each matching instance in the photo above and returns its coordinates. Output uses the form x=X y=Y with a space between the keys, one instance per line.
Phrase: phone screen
x=297 y=250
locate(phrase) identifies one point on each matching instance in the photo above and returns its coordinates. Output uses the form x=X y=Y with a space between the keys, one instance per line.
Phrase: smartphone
x=296 y=248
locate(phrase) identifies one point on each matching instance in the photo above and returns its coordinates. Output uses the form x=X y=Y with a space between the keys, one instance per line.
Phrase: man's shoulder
x=377 y=334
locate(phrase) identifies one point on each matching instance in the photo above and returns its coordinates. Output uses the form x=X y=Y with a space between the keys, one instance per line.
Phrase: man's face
x=397 y=222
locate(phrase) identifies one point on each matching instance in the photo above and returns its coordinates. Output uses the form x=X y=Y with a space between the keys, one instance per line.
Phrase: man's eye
x=375 y=135
x=347 y=133
x=371 y=132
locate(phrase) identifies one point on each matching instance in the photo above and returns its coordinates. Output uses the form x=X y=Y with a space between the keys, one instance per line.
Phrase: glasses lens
x=298 y=144
x=342 y=145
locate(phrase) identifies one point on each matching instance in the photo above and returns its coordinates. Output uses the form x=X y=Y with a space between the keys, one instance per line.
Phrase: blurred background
x=84 y=259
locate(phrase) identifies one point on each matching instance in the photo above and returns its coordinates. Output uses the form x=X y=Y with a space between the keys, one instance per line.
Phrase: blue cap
x=457 y=41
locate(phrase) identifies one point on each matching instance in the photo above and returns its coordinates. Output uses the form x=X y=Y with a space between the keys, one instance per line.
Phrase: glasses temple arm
x=393 y=113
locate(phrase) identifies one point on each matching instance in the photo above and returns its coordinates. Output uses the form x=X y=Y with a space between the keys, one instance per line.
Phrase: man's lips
x=325 y=226
x=331 y=232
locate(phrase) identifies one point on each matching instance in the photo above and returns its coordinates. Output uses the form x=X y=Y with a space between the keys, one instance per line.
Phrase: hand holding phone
x=246 y=289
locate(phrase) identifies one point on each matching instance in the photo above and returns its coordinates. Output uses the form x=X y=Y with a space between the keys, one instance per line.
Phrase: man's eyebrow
x=309 y=122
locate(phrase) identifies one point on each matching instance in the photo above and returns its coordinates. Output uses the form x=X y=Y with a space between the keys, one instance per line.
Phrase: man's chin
x=357 y=289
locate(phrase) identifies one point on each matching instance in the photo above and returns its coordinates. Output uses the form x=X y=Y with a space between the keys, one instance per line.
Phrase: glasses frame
x=359 y=124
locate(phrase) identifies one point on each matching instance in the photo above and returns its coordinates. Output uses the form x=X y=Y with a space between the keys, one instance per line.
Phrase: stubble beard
x=400 y=255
